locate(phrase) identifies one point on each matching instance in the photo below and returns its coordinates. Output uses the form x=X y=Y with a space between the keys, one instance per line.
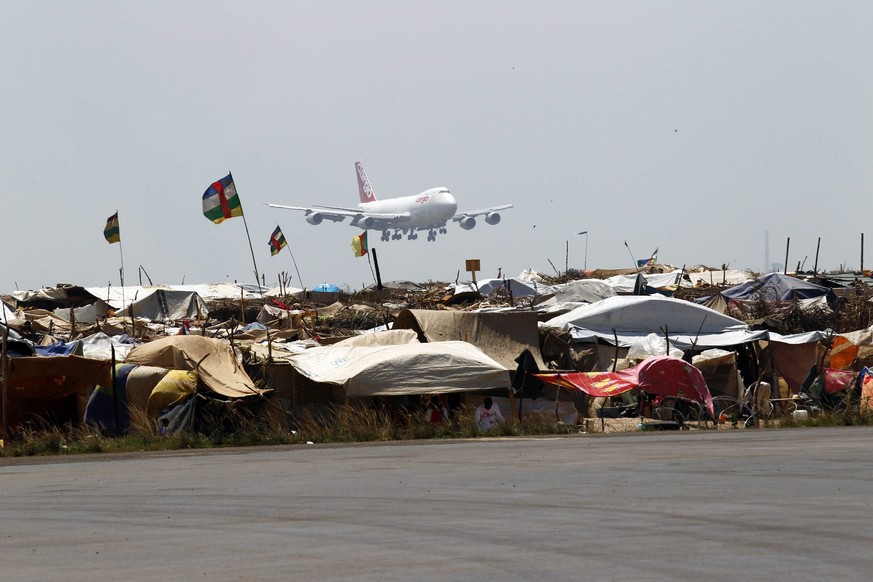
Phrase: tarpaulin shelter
x=404 y=369
x=214 y=361
x=167 y=305
x=517 y=287
x=501 y=335
x=661 y=375
x=632 y=318
x=775 y=288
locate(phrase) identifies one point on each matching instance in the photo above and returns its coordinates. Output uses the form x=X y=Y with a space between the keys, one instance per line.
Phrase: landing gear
x=412 y=235
x=397 y=235
x=443 y=230
x=431 y=235
x=385 y=236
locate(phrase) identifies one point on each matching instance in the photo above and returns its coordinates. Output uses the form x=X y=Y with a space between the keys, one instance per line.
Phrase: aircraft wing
x=471 y=213
x=334 y=215
x=316 y=214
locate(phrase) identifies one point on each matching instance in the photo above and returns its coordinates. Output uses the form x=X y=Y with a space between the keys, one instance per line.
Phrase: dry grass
x=337 y=424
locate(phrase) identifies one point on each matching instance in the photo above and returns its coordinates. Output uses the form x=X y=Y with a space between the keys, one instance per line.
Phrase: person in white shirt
x=487 y=415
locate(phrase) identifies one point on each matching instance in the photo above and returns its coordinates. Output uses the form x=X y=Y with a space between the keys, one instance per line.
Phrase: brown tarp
x=793 y=361
x=501 y=335
x=218 y=366
x=52 y=388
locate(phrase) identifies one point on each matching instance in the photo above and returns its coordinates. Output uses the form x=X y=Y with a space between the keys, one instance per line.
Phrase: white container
x=800 y=415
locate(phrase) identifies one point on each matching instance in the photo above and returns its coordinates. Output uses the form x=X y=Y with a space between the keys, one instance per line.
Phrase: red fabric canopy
x=662 y=375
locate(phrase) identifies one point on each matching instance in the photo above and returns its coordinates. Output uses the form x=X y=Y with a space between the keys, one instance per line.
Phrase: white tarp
x=518 y=287
x=415 y=368
x=99 y=347
x=626 y=283
x=391 y=337
x=635 y=317
x=727 y=277
x=580 y=291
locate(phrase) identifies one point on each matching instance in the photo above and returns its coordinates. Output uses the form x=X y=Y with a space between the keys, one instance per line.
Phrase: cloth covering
x=502 y=336
x=662 y=375
x=107 y=407
x=173 y=388
x=417 y=368
x=214 y=360
x=140 y=383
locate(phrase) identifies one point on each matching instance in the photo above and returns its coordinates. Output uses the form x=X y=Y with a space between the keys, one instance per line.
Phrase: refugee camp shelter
x=214 y=361
x=402 y=369
x=503 y=335
x=167 y=305
x=631 y=318
x=773 y=289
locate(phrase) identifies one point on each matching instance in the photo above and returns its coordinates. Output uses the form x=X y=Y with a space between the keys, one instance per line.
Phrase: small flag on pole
x=648 y=262
x=359 y=244
x=277 y=242
x=110 y=231
x=220 y=201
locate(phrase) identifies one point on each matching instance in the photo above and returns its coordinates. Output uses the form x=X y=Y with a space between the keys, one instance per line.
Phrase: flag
x=648 y=262
x=220 y=201
x=277 y=241
x=359 y=244
x=110 y=231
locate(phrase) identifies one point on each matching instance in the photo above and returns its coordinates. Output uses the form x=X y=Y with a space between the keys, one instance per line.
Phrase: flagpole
x=248 y=236
x=293 y=260
x=121 y=271
x=636 y=264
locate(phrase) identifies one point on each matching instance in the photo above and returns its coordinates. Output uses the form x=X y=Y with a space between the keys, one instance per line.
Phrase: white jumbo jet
x=408 y=215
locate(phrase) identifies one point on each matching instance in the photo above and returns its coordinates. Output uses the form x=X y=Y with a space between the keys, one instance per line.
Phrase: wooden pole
x=862 y=253
x=815 y=267
x=114 y=395
x=5 y=378
x=785 y=265
x=567 y=257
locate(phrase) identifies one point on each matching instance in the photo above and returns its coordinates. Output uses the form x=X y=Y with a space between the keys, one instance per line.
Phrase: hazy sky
x=694 y=127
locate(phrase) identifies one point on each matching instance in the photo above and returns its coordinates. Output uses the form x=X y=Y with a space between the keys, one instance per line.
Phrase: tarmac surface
x=720 y=505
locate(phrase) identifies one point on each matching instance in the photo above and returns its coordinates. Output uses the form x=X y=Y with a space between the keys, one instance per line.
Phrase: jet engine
x=492 y=218
x=314 y=218
x=367 y=223
x=467 y=223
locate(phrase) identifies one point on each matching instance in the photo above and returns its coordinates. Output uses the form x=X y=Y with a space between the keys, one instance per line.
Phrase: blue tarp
x=327 y=288
x=60 y=349
x=107 y=411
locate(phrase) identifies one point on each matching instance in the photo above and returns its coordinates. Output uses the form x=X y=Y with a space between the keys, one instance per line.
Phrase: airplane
x=430 y=210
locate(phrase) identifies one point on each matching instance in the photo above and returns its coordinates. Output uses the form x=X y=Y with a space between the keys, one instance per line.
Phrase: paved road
x=716 y=505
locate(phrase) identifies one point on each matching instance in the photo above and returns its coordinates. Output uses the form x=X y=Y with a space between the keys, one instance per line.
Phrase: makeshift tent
x=625 y=284
x=517 y=287
x=661 y=375
x=214 y=361
x=632 y=318
x=727 y=277
x=121 y=297
x=581 y=291
x=774 y=288
x=415 y=368
x=167 y=305
x=503 y=335
x=327 y=288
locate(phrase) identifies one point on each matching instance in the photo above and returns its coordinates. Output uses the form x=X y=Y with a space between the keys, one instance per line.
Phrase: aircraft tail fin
x=364 y=189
